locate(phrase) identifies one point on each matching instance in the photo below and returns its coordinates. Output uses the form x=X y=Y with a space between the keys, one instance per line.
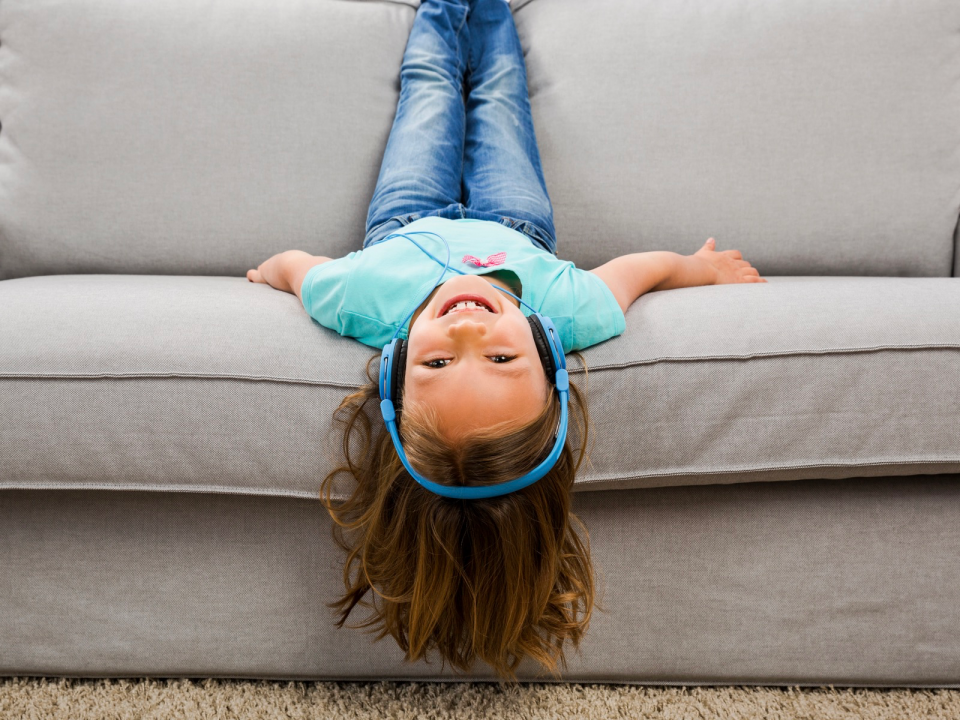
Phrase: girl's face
x=476 y=366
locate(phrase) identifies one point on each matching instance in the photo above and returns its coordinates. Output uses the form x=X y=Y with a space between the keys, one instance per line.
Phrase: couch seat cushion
x=216 y=384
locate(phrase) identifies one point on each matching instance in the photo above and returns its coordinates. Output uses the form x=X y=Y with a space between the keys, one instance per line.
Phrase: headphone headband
x=485 y=491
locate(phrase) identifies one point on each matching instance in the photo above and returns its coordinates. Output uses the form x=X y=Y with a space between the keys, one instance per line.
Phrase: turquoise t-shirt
x=368 y=293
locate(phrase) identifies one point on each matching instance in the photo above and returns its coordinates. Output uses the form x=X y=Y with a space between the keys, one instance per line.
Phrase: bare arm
x=286 y=271
x=630 y=276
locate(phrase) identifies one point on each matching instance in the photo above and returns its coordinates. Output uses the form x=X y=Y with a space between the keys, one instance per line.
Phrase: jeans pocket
x=537 y=236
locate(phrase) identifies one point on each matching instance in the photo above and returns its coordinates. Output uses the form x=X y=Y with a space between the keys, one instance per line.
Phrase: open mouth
x=466 y=303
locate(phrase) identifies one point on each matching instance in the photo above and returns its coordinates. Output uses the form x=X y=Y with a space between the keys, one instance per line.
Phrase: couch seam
x=956 y=242
x=768 y=468
x=762 y=355
x=578 y=485
x=128 y=487
x=208 y=376
x=572 y=370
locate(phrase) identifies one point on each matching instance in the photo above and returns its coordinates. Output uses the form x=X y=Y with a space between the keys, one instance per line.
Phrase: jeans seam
x=459 y=54
x=463 y=85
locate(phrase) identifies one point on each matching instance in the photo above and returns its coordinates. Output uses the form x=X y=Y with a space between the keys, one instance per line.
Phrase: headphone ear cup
x=543 y=347
x=397 y=373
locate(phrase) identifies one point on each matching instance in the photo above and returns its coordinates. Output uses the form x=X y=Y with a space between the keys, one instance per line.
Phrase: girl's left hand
x=729 y=265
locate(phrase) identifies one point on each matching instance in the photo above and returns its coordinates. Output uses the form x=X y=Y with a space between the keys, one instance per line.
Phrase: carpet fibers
x=84 y=699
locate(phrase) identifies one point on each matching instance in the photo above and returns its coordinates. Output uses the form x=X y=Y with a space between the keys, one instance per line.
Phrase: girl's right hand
x=272 y=271
x=729 y=265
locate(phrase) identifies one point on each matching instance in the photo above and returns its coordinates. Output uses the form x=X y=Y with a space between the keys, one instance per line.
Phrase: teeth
x=466 y=305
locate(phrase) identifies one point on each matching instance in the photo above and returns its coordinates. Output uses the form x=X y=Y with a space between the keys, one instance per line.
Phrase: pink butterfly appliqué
x=495 y=259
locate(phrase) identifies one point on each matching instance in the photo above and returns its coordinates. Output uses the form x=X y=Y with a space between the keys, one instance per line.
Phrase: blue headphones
x=392 y=369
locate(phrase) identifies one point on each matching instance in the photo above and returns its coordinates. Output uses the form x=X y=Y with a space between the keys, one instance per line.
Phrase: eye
x=503 y=358
x=430 y=363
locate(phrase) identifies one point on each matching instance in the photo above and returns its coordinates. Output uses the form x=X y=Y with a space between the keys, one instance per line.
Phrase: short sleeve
x=323 y=292
x=361 y=314
x=583 y=309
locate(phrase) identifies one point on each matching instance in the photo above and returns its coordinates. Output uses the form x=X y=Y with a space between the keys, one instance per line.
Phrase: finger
x=751 y=271
x=710 y=244
x=736 y=254
x=254 y=276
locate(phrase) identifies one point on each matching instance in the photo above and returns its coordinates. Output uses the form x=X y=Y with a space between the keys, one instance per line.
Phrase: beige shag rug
x=160 y=699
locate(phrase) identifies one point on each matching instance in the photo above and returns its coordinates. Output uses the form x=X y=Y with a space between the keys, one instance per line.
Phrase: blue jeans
x=455 y=158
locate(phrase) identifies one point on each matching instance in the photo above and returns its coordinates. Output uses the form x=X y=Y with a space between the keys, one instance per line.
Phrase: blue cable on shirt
x=446 y=266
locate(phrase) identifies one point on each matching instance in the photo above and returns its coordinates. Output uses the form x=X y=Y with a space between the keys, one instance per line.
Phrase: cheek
x=419 y=337
x=525 y=336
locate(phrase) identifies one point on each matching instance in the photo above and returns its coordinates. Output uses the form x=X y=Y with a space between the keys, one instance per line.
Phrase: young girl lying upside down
x=459 y=532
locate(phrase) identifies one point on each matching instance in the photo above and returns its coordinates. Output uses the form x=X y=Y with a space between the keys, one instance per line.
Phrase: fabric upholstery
x=221 y=385
x=773 y=489
x=819 y=138
x=812 y=582
x=201 y=138
x=186 y=138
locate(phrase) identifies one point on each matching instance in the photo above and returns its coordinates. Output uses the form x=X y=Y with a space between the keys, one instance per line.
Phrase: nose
x=466 y=329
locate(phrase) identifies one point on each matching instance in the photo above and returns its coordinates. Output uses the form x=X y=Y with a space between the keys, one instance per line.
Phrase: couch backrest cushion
x=180 y=137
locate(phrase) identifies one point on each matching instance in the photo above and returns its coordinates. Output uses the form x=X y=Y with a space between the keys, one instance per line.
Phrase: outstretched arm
x=285 y=271
x=630 y=276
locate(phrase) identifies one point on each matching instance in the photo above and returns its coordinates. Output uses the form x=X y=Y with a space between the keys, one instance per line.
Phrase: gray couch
x=773 y=496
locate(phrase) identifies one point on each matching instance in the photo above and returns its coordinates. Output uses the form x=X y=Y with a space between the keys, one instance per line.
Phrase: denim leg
x=501 y=163
x=423 y=161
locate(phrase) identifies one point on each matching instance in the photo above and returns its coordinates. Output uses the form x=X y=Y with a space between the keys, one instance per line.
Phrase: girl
x=478 y=396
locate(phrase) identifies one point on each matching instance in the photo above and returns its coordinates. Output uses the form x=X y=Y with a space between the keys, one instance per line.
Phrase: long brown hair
x=497 y=579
